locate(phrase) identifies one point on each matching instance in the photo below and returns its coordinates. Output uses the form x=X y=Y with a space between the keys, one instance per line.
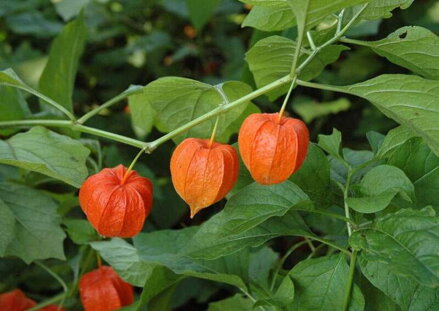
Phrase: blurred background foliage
x=138 y=41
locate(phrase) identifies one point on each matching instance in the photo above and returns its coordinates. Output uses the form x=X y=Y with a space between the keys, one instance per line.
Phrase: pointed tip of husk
x=194 y=211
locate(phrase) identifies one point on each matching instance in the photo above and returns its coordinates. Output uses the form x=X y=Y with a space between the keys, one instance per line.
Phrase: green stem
x=282 y=261
x=350 y=280
x=114 y=100
x=49 y=301
x=220 y=109
x=353 y=41
x=77 y=127
x=345 y=197
x=329 y=243
x=53 y=274
x=48 y=100
x=284 y=105
x=320 y=86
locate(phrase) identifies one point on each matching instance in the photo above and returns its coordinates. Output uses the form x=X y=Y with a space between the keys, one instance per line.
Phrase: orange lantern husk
x=272 y=148
x=15 y=300
x=116 y=201
x=203 y=172
x=103 y=290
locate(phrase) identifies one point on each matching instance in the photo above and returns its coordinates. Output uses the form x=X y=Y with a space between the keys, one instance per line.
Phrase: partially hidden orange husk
x=203 y=172
x=272 y=148
x=103 y=290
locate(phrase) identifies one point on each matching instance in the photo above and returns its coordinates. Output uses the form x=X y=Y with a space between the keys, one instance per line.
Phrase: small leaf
x=58 y=77
x=200 y=11
x=379 y=186
x=37 y=232
x=68 y=9
x=394 y=139
x=48 y=153
x=80 y=231
x=427 y=189
x=413 y=47
x=408 y=241
x=310 y=110
x=331 y=143
x=285 y=292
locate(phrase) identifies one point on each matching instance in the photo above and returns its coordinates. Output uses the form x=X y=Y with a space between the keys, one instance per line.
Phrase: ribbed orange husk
x=114 y=205
x=15 y=300
x=272 y=149
x=103 y=290
x=203 y=174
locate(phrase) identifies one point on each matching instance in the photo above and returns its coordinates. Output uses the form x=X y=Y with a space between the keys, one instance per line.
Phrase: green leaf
x=48 y=153
x=80 y=231
x=412 y=47
x=261 y=263
x=285 y=292
x=13 y=106
x=383 y=8
x=7 y=227
x=394 y=139
x=310 y=110
x=68 y=9
x=58 y=77
x=200 y=11
x=409 y=100
x=331 y=143
x=427 y=189
x=313 y=177
x=265 y=3
x=379 y=186
x=37 y=232
x=408 y=241
x=231 y=229
x=310 y=13
x=235 y=303
x=409 y=295
x=142 y=114
x=319 y=285
x=180 y=100
x=166 y=247
x=270 y=18
x=124 y=258
x=272 y=58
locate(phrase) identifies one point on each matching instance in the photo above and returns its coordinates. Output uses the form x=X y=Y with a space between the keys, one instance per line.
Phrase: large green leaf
x=166 y=248
x=13 y=106
x=180 y=100
x=408 y=241
x=412 y=47
x=409 y=100
x=310 y=13
x=36 y=226
x=409 y=295
x=236 y=226
x=48 y=153
x=319 y=285
x=58 y=77
x=270 y=18
x=271 y=58
x=383 y=8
